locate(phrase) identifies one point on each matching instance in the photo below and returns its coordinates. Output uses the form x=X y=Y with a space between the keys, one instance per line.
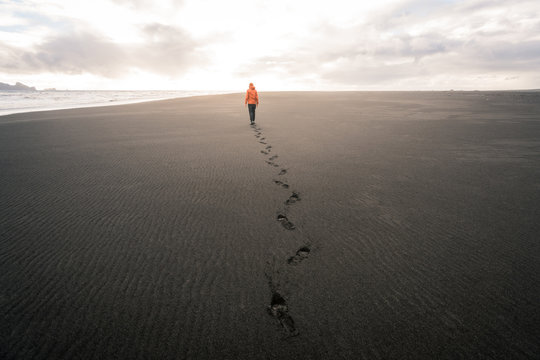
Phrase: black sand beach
x=349 y=225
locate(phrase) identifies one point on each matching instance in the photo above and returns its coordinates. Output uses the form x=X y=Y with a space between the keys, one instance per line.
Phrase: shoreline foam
x=15 y=102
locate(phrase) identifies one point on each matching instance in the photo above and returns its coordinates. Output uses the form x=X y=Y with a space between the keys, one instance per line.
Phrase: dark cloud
x=382 y=50
x=74 y=54
x=412 y=46
x=522 y=53
x=359 y=61
x=78 y=53
x=381 y=74
x=408 y=40
x=165 y=49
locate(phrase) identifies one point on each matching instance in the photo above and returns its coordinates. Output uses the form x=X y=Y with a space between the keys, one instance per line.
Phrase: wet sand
x=356 y=225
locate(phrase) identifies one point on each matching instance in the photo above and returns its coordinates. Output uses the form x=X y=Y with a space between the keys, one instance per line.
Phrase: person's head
x=251 y=86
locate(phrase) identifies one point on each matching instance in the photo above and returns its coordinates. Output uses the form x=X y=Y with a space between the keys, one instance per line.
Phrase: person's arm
x=245 y=101
x=257 y=97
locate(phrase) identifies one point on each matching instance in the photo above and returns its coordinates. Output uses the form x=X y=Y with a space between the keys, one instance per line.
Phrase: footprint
x=263 y=138
x=301 y=254
x=274 y=157
x=279 y=310
x=293 y=198
x=285 y=222
x=269 y=147
x=264 y=152
x=283 y=172
x=262 y=142
x=271 y=163
x=282 y=184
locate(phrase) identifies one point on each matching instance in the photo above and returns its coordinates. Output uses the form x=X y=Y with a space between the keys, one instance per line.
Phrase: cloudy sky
x=277 y=44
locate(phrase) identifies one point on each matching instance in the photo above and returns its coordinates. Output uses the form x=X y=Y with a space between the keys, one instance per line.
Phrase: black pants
x=251 y=108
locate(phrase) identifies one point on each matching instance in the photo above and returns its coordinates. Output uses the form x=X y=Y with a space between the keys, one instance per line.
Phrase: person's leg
x=251 y=108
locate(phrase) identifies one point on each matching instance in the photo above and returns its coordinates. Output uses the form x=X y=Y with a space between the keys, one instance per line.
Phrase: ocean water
x=12 y=102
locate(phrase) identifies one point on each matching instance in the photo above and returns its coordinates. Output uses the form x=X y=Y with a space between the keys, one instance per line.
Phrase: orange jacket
x=251 y=96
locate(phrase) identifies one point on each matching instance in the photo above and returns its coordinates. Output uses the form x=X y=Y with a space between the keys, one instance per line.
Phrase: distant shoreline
x=20 y=102
x=159 y=95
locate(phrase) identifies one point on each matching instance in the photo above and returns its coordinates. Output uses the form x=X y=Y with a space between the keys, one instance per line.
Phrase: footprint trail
x=279 y=308
x=285 y=222
x=301 y=254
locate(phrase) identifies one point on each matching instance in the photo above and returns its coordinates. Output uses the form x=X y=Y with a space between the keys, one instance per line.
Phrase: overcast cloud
x=280 y=45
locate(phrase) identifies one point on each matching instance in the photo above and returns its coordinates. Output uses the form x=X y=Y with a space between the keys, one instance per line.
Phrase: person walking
x=252 y=101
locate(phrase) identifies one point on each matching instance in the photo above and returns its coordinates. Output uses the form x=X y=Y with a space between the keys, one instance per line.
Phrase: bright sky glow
x=278 y=45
